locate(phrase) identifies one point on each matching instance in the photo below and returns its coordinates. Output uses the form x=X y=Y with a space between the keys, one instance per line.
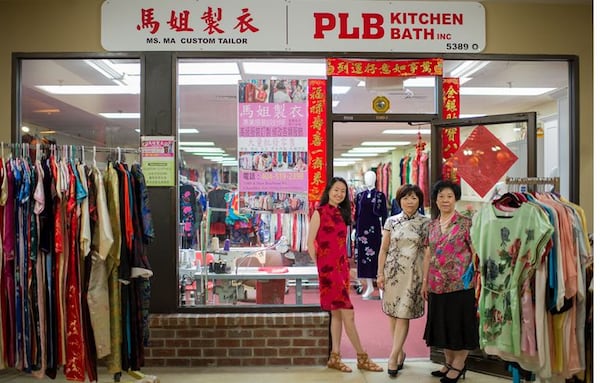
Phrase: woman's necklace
x=445 y=222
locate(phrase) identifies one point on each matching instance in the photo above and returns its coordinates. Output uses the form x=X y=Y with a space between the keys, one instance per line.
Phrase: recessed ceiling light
x=25 y=129
x=210 y=68
x=90 y=89
x=385 y=143
x=209 y=79
x=360 y=154
x=406 y=131
x=376 y=149
x=124 y=116
x=196 y=143
x=267 y=68
x=187 y=130
x=503 y=91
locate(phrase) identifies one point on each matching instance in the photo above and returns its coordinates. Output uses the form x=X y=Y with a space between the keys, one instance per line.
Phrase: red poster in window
x=482 y=160
x=317 y=141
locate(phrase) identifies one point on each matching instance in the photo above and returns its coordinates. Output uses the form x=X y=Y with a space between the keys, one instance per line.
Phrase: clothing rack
x=531 y=182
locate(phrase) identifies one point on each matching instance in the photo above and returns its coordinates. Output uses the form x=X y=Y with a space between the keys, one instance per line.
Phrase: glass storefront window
x=242 y=207
x=83 y=103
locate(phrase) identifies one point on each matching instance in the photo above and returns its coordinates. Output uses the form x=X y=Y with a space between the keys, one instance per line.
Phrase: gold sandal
x=364 y=363
x=335 y=362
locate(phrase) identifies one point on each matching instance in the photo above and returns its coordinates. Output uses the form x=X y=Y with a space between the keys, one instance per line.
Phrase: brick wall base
x=193 y=340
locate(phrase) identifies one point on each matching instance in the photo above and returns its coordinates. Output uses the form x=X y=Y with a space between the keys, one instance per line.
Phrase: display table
x=265 y=274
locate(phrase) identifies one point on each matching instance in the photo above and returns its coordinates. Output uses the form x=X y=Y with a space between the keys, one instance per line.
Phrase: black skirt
x=452 y=321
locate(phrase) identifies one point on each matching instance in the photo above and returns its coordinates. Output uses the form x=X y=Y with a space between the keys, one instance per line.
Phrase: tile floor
x=414 y=371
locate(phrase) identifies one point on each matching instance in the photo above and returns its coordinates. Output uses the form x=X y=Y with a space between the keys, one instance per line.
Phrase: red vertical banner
x=450 y=136
x=317 y=141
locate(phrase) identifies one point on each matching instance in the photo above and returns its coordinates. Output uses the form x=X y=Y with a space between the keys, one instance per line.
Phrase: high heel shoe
x=440 y=373
x=401 y=364
x=392 y=373
x=462 y=373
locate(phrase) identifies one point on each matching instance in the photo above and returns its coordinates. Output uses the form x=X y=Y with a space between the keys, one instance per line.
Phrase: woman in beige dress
x=400 y=269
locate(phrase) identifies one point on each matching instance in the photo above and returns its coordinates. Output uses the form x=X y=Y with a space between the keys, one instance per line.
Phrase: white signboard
x=293 y=25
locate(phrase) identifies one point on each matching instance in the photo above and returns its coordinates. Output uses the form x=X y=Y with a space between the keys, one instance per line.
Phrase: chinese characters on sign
x=158 y=160
x=317 y=140
x=450 y=136
x=384 y=68
x=272 y=144
x=293 y=25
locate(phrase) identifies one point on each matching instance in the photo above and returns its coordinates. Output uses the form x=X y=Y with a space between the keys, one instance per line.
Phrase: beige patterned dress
x=403 y=268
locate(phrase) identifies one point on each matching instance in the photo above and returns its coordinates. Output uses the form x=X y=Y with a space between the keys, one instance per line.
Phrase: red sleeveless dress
x=332 y=260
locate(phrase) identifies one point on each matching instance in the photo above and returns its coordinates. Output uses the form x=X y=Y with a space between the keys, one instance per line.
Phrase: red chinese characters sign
x=450 y=136
x=384 y=68
x=482 y=160
x=317 y=140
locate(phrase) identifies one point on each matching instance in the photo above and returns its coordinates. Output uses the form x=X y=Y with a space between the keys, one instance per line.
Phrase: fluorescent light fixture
x=503 y=91
x=212 y=79
x=334 y=103
x=468 y=68
x=106 y=68
x=222 y=67
x=90 y=89
x=285 y=69
x=202 y=150
x=124 y=116
x=360 y=155
x=470 y=115
x=406 y=131
x=340 y=89
x=137 y=130
x=47 y=131
x=385 y=143
x=187 y=130
x=342 y=164
x=378 y=149
x=419 y=82
x=196 y=143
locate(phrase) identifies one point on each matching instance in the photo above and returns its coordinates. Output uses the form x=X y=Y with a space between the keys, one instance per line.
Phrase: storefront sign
x=158 y=160
x=293 y=25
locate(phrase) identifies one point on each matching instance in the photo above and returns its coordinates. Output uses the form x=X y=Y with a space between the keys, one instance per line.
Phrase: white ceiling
x=212 y=109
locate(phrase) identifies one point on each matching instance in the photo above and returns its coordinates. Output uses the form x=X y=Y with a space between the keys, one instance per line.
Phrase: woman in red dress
x=327 y=246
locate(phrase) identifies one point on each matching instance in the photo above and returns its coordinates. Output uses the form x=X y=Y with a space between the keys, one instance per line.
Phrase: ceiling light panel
x=269 y=68
x=406 y=131
x=118 y=116
x=222 y=67
x=377 y=149
x=206 y=79
x=385 y=143
x=196 y=143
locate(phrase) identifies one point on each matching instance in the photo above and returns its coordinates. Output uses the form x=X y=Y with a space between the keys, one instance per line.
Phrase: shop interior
x=93 y=105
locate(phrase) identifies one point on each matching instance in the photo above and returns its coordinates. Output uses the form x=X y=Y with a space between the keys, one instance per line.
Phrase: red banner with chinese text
x=317 y=141
x=384 y=68
x=450 y=136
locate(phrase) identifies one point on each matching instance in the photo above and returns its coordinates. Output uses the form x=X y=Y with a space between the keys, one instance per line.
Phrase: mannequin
x=369 y=215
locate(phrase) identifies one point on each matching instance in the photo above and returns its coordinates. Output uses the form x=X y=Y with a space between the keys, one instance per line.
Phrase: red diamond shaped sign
x=483 y=159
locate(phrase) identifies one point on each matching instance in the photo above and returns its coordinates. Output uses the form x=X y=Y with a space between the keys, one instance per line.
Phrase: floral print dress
x=403 y=267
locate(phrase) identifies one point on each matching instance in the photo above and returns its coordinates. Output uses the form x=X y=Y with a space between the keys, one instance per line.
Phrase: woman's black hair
x=445 y=184
x=407 y=189
x=344 y=206
x=437 y=188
